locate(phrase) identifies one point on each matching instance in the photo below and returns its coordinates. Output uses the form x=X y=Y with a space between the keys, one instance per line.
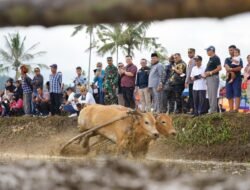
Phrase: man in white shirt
x=199 y=86
x=86 y=97
x=70 y=105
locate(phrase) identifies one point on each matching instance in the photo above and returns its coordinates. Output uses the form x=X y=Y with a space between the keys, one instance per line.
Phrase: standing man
x=168 y=90
x=154 y=82
x=119 y=93
x=212 y=76
x=110 y=83
x=188 y=81
x=142 y=86
x=233 y=89
x=99 y=76
x=199 y=87
x=178 y=80
x=128 y=82
x=56 y=86
x=27 y=90
x=79 y=81
x=37 y=82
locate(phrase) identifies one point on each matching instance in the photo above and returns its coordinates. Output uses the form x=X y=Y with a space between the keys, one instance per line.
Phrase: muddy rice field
x=212 y=152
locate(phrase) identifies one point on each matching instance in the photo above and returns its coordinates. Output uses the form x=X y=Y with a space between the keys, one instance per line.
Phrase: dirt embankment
x=223 y=137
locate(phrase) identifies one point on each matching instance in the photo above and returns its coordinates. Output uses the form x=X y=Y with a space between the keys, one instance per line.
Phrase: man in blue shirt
x=233 y=89
x=79 y=81
x=99 y=76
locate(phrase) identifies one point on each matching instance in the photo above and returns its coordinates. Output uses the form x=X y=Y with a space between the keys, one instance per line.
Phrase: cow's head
x=164 y=125
x=146 y=124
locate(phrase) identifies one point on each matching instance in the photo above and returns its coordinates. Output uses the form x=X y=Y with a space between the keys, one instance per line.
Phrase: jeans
x=157 y=100
x=69 y=108
x=128 y=95
x=55 y=99
x=199 y=97
x=27 y=103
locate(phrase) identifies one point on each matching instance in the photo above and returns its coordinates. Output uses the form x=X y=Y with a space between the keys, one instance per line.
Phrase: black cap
x=53 y=65
x=198 y=58
x=109 y=58
x=210 y=48
x=154 y=55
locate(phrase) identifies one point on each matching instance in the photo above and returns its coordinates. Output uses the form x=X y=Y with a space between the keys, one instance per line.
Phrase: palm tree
x=15 y=54
x=90 y=30
x=112 y=39
x=134 y=37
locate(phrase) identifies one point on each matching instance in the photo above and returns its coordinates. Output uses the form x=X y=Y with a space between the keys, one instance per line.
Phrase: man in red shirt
x=128 y=75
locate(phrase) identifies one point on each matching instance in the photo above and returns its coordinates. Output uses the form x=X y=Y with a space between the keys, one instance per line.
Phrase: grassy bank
x=220 y=136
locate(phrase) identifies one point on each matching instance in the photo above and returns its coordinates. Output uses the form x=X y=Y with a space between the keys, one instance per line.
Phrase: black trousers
x=190 y=99
x=43 y=108
x=178 y=89
x=128 y=95
x=199 y=97
x=55 y=99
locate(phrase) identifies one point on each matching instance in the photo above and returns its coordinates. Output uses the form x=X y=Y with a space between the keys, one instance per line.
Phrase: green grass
x=205 y=130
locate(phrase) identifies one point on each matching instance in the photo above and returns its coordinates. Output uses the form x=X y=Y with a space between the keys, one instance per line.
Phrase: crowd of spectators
x=154 y=87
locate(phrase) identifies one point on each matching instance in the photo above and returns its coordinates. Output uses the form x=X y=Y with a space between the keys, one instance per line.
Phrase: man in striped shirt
x=56 y=87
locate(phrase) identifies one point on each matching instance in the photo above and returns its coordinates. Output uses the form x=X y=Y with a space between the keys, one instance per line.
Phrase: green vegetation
x=206 y=130
x=15 y=54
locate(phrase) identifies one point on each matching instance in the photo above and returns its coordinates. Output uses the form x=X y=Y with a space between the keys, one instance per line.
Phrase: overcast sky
x=176 y=35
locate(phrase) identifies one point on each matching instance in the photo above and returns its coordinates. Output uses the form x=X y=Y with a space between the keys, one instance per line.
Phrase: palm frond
x=77 y=29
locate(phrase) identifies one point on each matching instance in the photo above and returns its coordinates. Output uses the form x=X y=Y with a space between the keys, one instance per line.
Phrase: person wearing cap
x=177 y=80
x=188 y=81
x=27 y=90
x=154 y=82
x=56 y=86
x=79 y=81
x=37 y=82
x=110 y=83
x=233 y=89
x=199 y=87
x=128 y=82
x=212 y=77
x=99 y=76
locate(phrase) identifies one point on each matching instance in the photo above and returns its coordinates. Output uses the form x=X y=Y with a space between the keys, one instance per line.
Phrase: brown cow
x=164 y=123
x=164 y=126
x=123 y=132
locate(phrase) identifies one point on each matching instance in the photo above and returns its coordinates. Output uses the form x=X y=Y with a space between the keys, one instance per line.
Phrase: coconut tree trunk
x=117 y=52
x=90 y=55
x=16 y=75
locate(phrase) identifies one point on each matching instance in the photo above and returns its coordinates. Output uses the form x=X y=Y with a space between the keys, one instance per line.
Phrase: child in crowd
x=235 y=63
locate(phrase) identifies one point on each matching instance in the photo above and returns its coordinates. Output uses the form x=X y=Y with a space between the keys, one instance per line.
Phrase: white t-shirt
x=199 y=84
x=88 y=100
x=236 y=60
x=71 y=98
